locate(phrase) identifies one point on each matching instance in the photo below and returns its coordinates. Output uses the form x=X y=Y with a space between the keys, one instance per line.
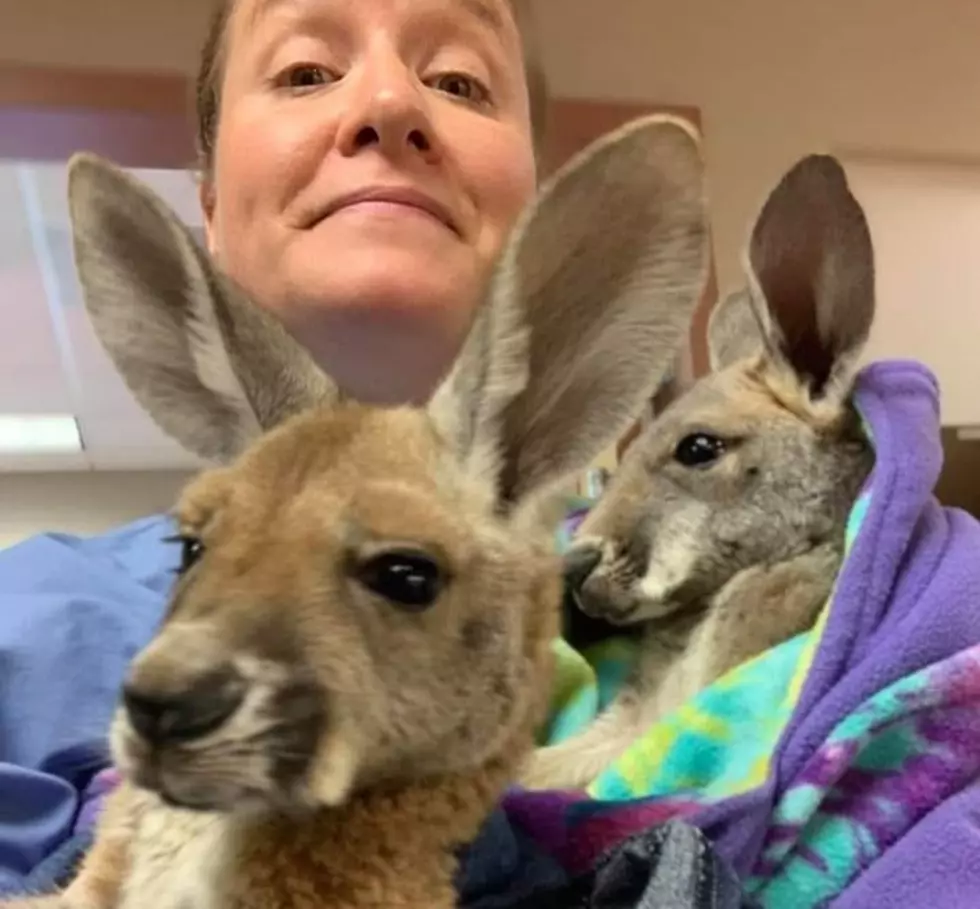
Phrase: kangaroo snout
x=183 y=686
x=211 y=725
x=597 y=591
x=191 y=709
x=579 y=562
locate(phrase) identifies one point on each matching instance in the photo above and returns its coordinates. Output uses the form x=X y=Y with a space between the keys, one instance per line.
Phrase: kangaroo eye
x=699 y=450
x=191 y=549
x=411 y=580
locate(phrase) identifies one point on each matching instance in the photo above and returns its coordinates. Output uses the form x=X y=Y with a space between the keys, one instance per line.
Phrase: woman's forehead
x=496 y=15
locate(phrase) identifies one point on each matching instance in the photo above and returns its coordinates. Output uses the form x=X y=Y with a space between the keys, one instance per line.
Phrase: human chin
x=392 y=346
x=366 y=295
x=393 y=279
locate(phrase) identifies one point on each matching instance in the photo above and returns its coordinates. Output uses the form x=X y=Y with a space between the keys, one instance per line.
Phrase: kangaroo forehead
x=324 y=445
x=331 y=478
x=732 y=402
x=348 y=438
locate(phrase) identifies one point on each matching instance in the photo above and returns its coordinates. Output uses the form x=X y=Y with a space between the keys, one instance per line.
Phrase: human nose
x=388 y=111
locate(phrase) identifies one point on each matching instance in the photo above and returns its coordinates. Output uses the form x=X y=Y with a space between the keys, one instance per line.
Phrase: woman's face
x=371 y=157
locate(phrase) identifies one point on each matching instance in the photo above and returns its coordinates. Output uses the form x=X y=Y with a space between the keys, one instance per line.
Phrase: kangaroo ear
x=212 y=370
x=735 y=330
x=590 y=302
x=811 y=268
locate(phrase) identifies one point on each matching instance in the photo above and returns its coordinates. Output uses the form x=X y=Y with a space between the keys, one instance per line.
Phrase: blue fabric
x=670 y=866
x=58 y=869
x=73 y=612
x=504 y=866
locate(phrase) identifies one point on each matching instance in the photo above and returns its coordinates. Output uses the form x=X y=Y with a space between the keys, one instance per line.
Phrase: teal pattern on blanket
x=881 y=768
x=715 y=746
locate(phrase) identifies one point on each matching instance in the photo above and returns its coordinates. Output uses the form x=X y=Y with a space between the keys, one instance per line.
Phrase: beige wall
x=777 y=79
x=82 y=503
x=774 y=79
x=137 y=34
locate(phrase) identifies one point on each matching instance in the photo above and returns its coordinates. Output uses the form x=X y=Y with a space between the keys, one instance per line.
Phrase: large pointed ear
x=735 y=330
x=211 y=369
x=591 y=299
x=811 y=268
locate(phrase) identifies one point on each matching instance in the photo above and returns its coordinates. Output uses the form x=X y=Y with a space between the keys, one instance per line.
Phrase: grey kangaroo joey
x=722 y=532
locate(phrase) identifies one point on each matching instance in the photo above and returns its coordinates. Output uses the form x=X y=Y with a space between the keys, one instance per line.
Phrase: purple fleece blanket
x=870 y=797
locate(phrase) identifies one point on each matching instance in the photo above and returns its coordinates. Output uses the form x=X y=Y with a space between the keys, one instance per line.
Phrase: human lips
x=404 y=196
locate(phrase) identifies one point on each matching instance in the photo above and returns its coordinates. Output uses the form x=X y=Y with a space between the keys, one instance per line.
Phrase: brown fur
x=294 y=735
x=716 y=562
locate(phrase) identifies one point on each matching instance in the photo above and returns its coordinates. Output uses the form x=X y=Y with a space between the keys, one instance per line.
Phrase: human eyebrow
x=487 y=13
x=263 y=8
x=286 y=18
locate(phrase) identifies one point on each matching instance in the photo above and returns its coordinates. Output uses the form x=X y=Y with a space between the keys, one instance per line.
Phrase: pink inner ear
x=788 y=251
x=811 y=253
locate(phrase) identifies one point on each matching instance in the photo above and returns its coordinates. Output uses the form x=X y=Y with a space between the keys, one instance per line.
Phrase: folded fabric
x=672 y=866
x=73 y=612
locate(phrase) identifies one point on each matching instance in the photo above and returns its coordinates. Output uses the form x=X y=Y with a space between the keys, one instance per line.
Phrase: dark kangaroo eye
x=411 y=580
x=191 y=549
x=699 y=450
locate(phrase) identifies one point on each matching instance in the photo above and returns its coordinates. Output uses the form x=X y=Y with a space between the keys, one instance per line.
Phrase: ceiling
x=50 y=360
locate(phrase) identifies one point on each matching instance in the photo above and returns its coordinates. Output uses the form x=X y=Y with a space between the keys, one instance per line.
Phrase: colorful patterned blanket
x=842 y=764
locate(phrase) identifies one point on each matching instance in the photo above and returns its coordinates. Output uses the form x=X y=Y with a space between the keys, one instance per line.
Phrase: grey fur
x=718 y=562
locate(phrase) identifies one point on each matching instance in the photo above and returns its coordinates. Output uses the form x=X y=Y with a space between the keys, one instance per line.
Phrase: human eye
x=300 y=78
x=463 y=86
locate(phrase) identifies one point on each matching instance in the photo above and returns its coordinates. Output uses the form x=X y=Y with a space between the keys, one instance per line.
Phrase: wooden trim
x=23 y=85
x=138 y=119
x=93 y=89
x=574 y=122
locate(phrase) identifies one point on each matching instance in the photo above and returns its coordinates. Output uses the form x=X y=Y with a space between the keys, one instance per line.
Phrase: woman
x=361 y=165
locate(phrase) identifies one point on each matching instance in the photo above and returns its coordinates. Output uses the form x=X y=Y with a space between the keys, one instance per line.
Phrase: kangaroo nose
x=185 y=714
x=579 y=563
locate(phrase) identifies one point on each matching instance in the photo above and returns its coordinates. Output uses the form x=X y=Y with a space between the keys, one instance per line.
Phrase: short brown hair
x=207 y=86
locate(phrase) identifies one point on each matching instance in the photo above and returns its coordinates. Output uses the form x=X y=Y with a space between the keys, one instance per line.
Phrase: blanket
x=73 y=612
x=839 y=768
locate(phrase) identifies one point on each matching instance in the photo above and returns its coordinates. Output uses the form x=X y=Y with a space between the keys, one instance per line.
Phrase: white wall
x=83 y=503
